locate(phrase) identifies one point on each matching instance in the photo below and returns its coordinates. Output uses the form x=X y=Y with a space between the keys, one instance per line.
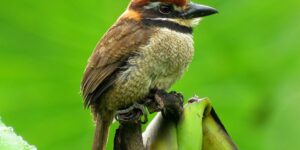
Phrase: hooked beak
x=196 y=11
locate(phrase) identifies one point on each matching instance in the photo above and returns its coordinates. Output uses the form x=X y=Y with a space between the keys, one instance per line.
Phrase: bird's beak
x=196 y=11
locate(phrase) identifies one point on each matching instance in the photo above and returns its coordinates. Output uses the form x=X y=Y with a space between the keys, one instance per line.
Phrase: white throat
x=183 y=22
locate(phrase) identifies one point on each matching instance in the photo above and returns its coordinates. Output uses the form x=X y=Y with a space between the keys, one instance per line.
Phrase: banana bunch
x=198 y=129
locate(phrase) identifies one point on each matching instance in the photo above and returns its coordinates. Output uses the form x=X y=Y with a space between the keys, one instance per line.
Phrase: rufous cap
x=176 y=2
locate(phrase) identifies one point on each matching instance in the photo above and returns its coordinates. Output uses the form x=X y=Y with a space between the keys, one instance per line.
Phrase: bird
x=150 y=46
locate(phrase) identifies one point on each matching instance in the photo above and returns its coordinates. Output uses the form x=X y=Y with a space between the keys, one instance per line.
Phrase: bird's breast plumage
x=168 y=55
x=158 y=64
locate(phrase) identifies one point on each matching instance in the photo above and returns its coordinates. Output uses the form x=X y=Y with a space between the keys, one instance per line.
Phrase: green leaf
x=10 y=141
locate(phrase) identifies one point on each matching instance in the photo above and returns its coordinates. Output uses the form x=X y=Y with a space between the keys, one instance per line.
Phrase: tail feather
x=101 y=132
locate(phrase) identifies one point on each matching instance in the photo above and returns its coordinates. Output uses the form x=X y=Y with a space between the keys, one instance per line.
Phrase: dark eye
x=165 y=9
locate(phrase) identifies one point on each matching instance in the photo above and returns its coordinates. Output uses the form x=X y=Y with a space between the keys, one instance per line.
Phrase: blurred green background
x=247 y=62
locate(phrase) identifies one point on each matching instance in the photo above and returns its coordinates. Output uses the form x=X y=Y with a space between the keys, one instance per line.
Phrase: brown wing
x=111 y=53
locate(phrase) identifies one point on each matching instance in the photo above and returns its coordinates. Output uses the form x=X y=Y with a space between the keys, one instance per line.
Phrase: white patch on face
x=152 y=5
x=184 y=22
x=195 y=22
x=179 y=9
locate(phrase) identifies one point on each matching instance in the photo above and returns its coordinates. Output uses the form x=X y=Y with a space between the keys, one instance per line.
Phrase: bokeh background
x=247 y=62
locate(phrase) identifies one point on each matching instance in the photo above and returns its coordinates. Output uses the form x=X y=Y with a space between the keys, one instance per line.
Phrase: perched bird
x=149 y=47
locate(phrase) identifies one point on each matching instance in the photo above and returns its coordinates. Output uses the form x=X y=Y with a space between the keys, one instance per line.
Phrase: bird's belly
x=157 y=65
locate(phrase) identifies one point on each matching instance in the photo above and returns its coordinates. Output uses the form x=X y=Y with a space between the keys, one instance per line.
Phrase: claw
x=153 y=101
x=132 y=114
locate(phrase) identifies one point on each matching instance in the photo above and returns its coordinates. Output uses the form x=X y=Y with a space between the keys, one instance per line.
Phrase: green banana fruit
x=199 y=128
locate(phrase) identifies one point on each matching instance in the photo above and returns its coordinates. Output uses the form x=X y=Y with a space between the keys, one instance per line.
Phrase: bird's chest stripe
x=168 y=24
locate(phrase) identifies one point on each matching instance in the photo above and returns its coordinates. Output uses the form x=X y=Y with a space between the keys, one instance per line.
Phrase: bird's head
x=181 y=12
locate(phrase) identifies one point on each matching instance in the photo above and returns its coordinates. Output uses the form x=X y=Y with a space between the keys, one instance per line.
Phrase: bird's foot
x=135 y=113
x=170 y=104
x=173 y=102
x=154 y=103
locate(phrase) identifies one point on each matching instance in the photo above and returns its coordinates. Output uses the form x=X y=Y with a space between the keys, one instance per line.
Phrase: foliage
x=10 y=141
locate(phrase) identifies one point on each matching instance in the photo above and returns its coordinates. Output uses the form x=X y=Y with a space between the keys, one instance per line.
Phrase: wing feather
x=111 y=53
